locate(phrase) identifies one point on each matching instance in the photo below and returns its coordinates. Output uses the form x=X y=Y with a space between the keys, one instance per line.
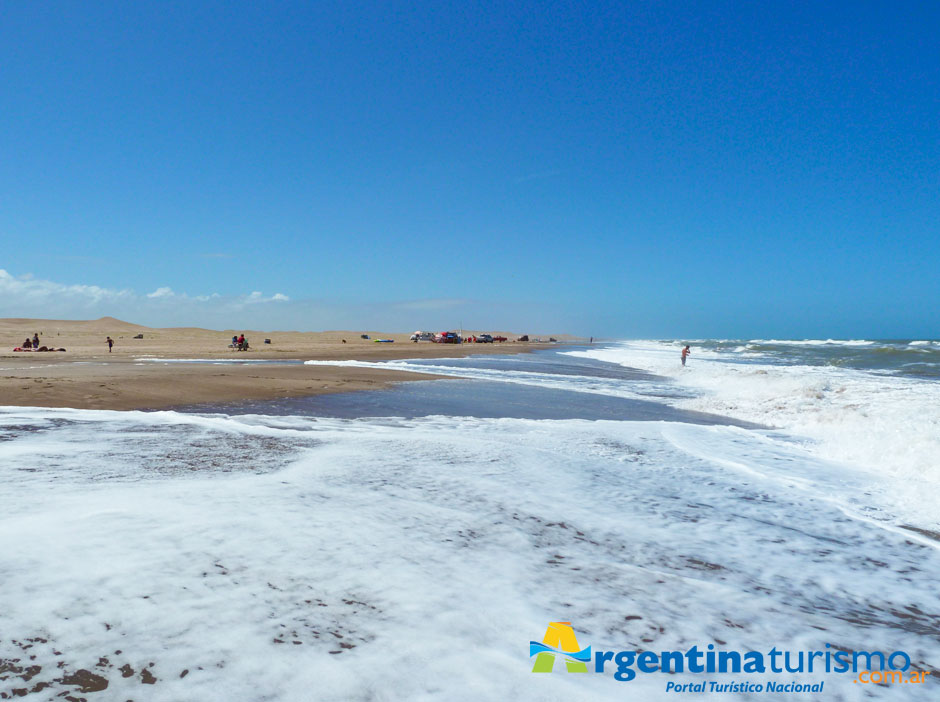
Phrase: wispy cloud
x=41 y=292
x=27 y=296
x=257 y=297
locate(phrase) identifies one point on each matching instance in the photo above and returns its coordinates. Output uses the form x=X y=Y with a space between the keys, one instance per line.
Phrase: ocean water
x=409 y=543
x=871 y=405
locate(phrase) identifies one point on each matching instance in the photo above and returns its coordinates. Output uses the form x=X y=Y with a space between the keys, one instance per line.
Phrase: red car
x=447 y=338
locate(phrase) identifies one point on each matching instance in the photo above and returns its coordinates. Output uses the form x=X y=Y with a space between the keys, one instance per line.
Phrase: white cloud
x=28 y=296
x=164 y=307
x=32 y=291
x=256 y=297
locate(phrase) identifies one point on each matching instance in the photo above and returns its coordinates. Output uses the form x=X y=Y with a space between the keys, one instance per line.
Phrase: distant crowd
x=35 y=345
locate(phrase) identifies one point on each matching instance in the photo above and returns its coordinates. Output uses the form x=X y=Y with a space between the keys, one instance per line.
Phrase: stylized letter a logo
x=559 y=639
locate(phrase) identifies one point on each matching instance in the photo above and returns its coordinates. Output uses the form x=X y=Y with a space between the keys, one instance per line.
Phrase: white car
x=422 y=336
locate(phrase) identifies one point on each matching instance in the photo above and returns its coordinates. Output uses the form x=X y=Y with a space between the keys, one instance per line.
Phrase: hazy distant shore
x=87 y=376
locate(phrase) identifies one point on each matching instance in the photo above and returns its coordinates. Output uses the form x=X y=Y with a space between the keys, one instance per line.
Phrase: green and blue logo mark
x=559 y=640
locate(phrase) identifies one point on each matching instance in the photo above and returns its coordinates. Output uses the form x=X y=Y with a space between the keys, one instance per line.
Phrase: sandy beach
x=87 y=376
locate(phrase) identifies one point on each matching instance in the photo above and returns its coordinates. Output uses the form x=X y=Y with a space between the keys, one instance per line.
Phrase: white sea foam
x=883 y=423
x=294 y=558
x=877 y=422
x=814 y=342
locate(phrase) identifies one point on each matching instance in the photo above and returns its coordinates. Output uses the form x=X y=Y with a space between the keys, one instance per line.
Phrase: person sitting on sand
x=685 y=354
x=235 y=341
x=242 y=343
x=28 y=344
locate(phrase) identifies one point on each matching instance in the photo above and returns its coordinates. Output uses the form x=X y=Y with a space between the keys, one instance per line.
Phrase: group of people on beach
x=31 y=343
x=240 y=343
x=35 y=345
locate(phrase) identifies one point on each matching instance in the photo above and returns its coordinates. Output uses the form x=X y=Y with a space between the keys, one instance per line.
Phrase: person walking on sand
x=685 y=354
x=110 y=344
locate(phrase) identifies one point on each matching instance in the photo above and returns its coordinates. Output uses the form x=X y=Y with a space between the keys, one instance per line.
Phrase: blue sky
x=615 y=169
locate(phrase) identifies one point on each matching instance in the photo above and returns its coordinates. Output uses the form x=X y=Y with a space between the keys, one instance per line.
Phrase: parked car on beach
x=484 y=339
x=422 y=336
x=446 y=338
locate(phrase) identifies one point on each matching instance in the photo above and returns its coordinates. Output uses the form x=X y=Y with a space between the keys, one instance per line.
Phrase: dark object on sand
x=344 y=341
x=267 y=341
x=139 y=336
x=363 y=336
x=524 y=337
x=553 y=339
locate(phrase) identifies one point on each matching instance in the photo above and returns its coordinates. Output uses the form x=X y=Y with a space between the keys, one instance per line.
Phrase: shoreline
x=121 y=381
x=88 y=376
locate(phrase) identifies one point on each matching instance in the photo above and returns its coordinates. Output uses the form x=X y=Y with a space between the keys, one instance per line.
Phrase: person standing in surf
x=685 y=354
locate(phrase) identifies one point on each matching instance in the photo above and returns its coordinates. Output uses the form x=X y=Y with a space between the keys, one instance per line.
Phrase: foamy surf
x=885 y=424
x=367 y=559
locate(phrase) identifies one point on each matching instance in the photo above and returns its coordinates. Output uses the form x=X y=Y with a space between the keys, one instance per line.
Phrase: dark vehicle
x=484 y=339
x=447 y=338
x=524 y=337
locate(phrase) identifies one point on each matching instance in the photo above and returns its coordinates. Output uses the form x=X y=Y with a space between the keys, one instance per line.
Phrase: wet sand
x=87 y=376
